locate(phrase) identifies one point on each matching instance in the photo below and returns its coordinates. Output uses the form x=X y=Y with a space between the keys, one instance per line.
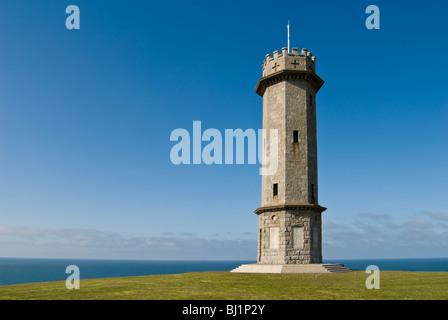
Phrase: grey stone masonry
x=290 y=218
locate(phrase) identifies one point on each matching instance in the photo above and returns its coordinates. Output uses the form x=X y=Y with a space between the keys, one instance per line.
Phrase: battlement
x=292 y=66
x=289 y=61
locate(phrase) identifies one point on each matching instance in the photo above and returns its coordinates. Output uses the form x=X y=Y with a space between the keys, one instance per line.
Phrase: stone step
x=290 y=268
x=335 y=268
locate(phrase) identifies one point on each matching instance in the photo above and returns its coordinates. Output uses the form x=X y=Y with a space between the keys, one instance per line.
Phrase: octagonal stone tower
x=289 y=219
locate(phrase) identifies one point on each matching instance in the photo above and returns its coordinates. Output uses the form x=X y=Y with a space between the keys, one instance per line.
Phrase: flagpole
x=288 y=35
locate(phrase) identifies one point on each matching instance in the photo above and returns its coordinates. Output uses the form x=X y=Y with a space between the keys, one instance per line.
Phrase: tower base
x=290 y=234
x=291 y=268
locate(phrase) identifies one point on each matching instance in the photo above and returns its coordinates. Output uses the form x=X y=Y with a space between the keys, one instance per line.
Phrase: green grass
x=239 y=286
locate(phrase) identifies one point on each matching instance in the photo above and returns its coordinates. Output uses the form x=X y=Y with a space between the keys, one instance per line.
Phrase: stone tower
x=289 y=219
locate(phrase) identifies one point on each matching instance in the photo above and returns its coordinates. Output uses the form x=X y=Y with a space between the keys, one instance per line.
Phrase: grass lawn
x=238 y=286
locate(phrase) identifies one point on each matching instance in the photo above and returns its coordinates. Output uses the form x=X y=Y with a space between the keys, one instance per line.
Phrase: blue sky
x=86 y=117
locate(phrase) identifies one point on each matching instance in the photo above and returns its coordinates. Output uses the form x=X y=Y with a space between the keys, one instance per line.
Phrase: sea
x=30 y=270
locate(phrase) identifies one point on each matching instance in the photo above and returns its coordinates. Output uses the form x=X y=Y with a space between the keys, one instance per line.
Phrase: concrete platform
x=291 y=268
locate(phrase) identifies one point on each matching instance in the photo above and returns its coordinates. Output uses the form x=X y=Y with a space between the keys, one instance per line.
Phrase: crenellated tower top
x=289 y=66
x=289 y=61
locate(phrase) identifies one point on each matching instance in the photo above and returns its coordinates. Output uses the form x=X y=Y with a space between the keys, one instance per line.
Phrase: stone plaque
x=297 y=237
x=273 y=237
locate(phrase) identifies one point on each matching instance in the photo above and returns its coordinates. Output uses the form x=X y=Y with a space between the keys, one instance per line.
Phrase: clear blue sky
x=86 y=117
